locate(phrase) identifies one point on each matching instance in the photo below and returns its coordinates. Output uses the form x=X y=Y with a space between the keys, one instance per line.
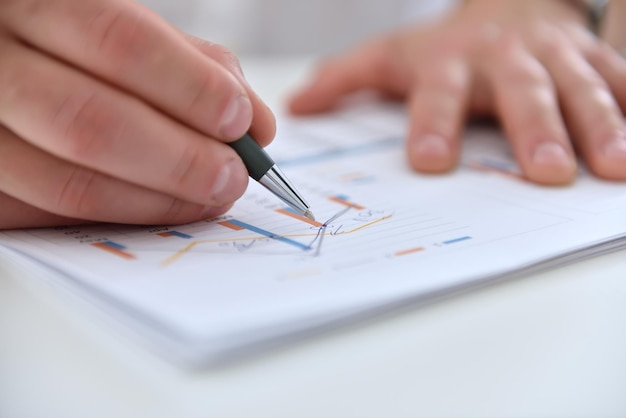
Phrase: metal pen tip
x=309 y=215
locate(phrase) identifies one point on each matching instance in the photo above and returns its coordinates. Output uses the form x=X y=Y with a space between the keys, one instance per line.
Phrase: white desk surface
x=550 y=345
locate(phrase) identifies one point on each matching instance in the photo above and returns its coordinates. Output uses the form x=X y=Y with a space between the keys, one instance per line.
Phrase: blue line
x=180 y=234
x=362 y=180
x=497 y=164
x=269 y=234
x=454 y=241
x=114 y=245
x=341 y=152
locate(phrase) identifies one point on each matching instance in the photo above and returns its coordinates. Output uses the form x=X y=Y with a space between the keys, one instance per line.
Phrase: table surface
x=549 y=345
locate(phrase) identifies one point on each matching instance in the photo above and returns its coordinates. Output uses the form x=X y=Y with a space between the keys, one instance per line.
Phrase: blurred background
x=276 y=27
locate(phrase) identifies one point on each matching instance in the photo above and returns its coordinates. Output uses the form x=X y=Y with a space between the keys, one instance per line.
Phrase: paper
x=384 y=236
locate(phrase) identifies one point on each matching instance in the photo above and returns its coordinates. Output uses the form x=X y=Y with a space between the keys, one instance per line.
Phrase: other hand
x=556 y=89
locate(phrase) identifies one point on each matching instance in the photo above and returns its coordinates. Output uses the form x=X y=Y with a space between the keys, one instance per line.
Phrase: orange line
x=115 y=251
x=352 y=176
x=231 y=226
x=410 y=251
x=178 y=254
x=346 y=203
x=190 y=246
x=298 y=217
x=164 y=234
x=489 y=169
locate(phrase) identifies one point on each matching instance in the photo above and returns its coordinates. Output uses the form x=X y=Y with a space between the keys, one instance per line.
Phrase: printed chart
x=383 y=235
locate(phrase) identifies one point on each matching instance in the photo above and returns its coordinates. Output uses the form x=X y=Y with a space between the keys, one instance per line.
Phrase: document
x=385 y=236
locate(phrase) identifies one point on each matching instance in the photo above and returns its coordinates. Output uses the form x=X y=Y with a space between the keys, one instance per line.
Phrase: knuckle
x=12 y=9
x=189 y=163
x=525 y=73
x=543 y=98
x=538 y=112
x=207 y=88
x=600 y=56
x=547 y=39
x=499 y=41
x=601 y=104
x=10 y=91
x=87 y=126
x=13 y=88
x=511 y=60
x=118 y=34
x=227 y=58
x=73 y=197
x=211 y=49
x=551 y=49
x=173 y=211
x=222 y=55
x=593 y=86
x=451 y=82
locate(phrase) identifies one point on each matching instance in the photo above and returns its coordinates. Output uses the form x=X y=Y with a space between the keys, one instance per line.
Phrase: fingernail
x=551 y=154
x=230 y=183
x=431 y=146
x=616 y=149
x=236 y=118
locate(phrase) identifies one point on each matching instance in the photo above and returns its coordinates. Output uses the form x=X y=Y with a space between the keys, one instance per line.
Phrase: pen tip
x=309 y=215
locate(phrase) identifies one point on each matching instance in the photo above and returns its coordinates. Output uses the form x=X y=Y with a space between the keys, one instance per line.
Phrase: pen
x=262 y=168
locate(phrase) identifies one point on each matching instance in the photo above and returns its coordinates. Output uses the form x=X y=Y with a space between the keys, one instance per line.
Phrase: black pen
x=262 y=168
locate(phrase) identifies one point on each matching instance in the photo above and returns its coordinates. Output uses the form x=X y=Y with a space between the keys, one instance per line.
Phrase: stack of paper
x=385 y=236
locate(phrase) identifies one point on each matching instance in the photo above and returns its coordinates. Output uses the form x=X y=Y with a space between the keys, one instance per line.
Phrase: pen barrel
x=254 y=157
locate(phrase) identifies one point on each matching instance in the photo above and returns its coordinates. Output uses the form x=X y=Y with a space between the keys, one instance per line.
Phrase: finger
x=591 y=110
x=437 y=112
x=17 y=214
x=367 y=67
x=528 y=108
x=129 y=46
x=93 y=125
x=263 y=128
x=60 y=188
x=612 y=67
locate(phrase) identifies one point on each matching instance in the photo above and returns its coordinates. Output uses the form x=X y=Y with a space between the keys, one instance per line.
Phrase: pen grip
x=253 y=156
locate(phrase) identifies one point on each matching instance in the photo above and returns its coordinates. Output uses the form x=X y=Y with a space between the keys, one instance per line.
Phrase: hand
x=109 y=114
x=533 y=64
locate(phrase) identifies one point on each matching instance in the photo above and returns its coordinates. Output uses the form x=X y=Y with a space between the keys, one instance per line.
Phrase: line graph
x=308 y=240
x=364 y=216
x=239 y=225
x=354 y=227
x=256 y=226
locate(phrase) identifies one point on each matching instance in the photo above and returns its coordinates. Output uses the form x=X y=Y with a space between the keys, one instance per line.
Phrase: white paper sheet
x=385 y=236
